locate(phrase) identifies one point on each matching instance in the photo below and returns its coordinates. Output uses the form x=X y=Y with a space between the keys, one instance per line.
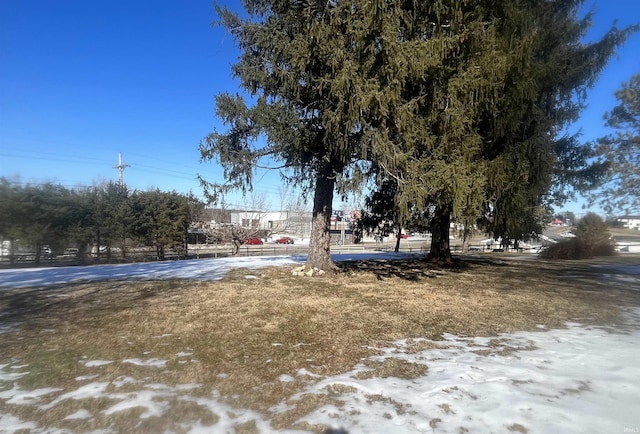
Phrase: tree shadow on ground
x=600 y=273
x=412 y=269
x=33 y=306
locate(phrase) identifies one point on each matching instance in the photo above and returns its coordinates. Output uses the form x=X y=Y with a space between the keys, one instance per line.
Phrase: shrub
x=592 y=239
x=604 y=249
x=593 y=230
x=572 y=248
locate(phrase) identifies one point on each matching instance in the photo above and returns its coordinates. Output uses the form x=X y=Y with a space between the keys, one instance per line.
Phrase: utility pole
x=344 y=215
x=121 y=166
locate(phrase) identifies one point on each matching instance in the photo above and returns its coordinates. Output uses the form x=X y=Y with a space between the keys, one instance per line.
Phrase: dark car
x=253 y=241
x=284 y=240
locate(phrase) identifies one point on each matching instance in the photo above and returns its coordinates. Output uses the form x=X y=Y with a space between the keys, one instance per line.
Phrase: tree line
x=446 y=110
x=108 y=215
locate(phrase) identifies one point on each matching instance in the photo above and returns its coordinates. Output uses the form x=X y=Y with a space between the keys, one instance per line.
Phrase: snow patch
x=18 y=396
x=94 y=363
x=80 y=414
x=86 y=377
x=153 y=362
x=286 y=378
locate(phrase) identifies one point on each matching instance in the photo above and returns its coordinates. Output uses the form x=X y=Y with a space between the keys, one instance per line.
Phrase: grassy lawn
x=240 y=335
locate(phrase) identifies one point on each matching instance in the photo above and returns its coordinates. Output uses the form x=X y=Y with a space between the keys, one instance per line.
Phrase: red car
x=285 y=240
x=253 y=241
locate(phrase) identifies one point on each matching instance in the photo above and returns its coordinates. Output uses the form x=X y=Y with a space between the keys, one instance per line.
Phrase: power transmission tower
x=121 y=166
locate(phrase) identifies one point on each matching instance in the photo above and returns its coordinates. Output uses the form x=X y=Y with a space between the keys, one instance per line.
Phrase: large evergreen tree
x=305 y=66
x=458 y=102
x=437 y=141
x=546 y=91
x=499 y=80
x=621 y=150
x=345 y=81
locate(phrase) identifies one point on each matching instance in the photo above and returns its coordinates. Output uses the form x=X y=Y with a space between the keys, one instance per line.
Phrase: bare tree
x=248 y=223
x=298 y=211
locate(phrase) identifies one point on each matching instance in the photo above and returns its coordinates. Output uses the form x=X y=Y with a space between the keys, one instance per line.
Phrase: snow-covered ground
x=580 y=379
x=197 y=269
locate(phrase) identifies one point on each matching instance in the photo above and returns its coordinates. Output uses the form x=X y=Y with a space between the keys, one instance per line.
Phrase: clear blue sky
x=82 y=80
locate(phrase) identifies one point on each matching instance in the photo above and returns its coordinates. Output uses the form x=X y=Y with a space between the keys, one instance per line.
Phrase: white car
x=71 y=252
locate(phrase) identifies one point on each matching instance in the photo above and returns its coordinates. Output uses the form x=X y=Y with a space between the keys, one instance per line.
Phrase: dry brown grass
x=241 y=334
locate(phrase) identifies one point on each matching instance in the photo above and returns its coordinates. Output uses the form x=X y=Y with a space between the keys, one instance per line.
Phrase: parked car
x=285 y=240
x=94 y=250
x=253 y=241
x=46 y=252
x=71 y=252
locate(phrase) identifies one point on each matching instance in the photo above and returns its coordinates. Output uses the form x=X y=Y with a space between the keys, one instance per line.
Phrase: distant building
x=259 y=219
x=630 y=221
x=296 y=222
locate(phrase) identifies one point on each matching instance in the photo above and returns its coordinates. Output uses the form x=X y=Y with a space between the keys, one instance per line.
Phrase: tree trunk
x=440 y=246
x=398 y=237
x=185 y=242
x=320 y=241
x=98 y=242
x=38 y=253
x=160 y=252
x=12 y=251
x=466 y=235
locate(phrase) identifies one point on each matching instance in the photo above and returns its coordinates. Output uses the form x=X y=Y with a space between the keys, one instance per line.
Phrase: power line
x=66 y=159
